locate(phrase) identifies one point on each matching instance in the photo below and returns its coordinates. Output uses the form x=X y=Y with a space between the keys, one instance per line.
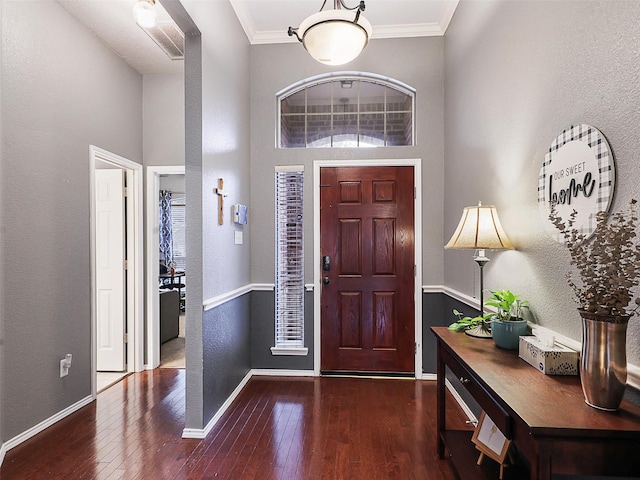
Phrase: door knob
x=326 y=280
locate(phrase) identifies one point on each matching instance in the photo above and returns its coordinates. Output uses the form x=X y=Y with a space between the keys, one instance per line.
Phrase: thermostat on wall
x=240 y=214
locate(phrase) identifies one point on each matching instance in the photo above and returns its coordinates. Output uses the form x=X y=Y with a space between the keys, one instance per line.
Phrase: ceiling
x=264 y=21
x=267 y=21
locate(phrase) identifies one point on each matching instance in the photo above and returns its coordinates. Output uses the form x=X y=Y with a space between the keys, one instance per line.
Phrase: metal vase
x=603 y=365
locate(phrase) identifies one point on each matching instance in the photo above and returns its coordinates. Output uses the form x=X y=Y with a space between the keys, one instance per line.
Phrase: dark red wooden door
x=367 y=231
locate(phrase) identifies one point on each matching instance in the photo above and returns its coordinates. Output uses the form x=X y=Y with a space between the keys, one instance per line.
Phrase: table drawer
x=484 y=398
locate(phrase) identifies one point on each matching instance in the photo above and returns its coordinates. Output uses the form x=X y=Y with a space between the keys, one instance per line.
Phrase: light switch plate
x=238 y=237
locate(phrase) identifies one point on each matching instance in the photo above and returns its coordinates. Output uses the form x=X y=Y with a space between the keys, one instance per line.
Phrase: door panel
x=367 y=300
x=350 y=319
x=110 y=274
x=350 y=247
x=384 y=234
x=383 y=326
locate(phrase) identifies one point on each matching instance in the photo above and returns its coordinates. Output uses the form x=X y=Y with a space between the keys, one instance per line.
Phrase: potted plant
x=608 y=268
x=508 y=323
x=479 y=326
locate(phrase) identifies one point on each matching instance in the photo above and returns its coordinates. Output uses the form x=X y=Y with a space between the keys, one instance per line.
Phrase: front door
x=367 y=251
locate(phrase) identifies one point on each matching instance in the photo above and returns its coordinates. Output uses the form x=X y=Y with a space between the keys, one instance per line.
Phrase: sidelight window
x=289 y=293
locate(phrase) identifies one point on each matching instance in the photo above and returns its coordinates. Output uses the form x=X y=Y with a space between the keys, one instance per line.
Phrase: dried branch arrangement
x=608 y=264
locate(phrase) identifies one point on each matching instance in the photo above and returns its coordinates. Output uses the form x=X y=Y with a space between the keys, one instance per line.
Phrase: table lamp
x=480 y=229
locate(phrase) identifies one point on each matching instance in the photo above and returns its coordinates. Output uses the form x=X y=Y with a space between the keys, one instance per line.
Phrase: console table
x=545 y=417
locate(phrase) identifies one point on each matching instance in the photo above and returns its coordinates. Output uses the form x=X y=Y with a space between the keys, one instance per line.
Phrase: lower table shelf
x=464 y=455
x=553 y=431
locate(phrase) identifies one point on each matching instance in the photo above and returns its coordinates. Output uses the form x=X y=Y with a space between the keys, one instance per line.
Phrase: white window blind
x=289 y=261
x=179 y=233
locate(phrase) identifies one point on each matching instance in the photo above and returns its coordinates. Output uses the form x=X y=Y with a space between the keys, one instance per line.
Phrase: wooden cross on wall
x=221 y=194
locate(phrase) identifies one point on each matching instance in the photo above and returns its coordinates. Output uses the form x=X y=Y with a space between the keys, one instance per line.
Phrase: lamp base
x=480 y=331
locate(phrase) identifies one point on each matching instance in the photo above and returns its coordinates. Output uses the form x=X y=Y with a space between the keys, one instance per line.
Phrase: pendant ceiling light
x=334 y=37
x=145 y=13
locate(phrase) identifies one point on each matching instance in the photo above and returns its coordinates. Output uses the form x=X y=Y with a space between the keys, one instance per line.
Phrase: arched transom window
x=346 y=110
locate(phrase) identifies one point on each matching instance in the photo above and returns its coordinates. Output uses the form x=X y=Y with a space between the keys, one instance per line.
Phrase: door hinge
x=126 y=264
x=125 y=337
x=415 y=271
x=415 y=348
x=415 y=193
x=125 y=191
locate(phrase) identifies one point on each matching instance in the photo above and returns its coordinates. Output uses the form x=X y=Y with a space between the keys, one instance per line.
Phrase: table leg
x=440 y=399
x=541 y=467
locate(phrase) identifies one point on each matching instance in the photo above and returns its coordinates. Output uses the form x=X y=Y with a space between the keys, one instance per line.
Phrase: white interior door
x=110 y=270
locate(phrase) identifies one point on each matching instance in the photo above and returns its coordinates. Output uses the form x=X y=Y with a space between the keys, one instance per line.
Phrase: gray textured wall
x=417 y=62
x=263 y=313
x=227 y=358
x=52 y=69
x=517 y=75
x=433 y=305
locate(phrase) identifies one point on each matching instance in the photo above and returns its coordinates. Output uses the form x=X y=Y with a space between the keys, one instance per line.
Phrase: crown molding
x=436 y=29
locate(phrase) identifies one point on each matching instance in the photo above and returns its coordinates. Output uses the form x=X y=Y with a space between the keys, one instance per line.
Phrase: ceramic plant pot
x=507 y=334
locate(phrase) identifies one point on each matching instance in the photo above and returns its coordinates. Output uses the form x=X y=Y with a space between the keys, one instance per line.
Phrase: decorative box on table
x=550 y=360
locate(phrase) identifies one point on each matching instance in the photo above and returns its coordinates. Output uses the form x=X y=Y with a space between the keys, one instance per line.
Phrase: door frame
x=135 y=277
x=417 y=225
x=153 y=259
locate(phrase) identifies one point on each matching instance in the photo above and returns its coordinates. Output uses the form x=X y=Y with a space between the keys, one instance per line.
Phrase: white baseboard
x=268 y=372
x=24 y=436
x=431 y=377
x=200 y=433
x=465 y=408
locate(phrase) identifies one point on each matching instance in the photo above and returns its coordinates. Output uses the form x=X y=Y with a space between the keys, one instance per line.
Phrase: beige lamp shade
x=480 y=229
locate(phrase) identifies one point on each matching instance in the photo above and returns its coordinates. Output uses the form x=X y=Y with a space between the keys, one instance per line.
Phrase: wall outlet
x=65 y=364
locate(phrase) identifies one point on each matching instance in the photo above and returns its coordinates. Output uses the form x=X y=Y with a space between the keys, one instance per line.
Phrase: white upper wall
x=225 y=143
x=163 y=119
x=517 y=75
x=417 y=62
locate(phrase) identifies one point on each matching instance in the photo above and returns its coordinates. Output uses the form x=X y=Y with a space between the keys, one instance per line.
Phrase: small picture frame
x=490 y=440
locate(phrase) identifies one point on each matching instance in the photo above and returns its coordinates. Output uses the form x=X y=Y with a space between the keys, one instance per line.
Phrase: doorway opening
x=381 y=301
x=116 y=267
x=166 y=330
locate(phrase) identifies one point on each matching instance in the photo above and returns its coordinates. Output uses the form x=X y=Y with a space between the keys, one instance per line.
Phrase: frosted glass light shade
x=145 y=14
x=480 y=228
x=332 y=37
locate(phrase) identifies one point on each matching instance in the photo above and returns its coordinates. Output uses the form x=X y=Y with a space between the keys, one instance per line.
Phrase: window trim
x=339 y=76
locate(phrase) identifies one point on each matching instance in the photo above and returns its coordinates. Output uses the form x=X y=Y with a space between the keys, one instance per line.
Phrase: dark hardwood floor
x=278 y=428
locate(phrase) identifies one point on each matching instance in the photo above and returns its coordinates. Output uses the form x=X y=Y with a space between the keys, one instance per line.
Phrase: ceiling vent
x=169 y=38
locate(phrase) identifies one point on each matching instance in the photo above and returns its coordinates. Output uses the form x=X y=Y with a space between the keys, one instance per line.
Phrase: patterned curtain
x=166 y=240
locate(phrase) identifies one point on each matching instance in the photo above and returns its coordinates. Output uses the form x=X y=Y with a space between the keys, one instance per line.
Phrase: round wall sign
x=578 y=173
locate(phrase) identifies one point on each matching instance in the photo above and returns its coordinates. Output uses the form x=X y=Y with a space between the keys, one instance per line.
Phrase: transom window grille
x=289 y=261
x=346 y=110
